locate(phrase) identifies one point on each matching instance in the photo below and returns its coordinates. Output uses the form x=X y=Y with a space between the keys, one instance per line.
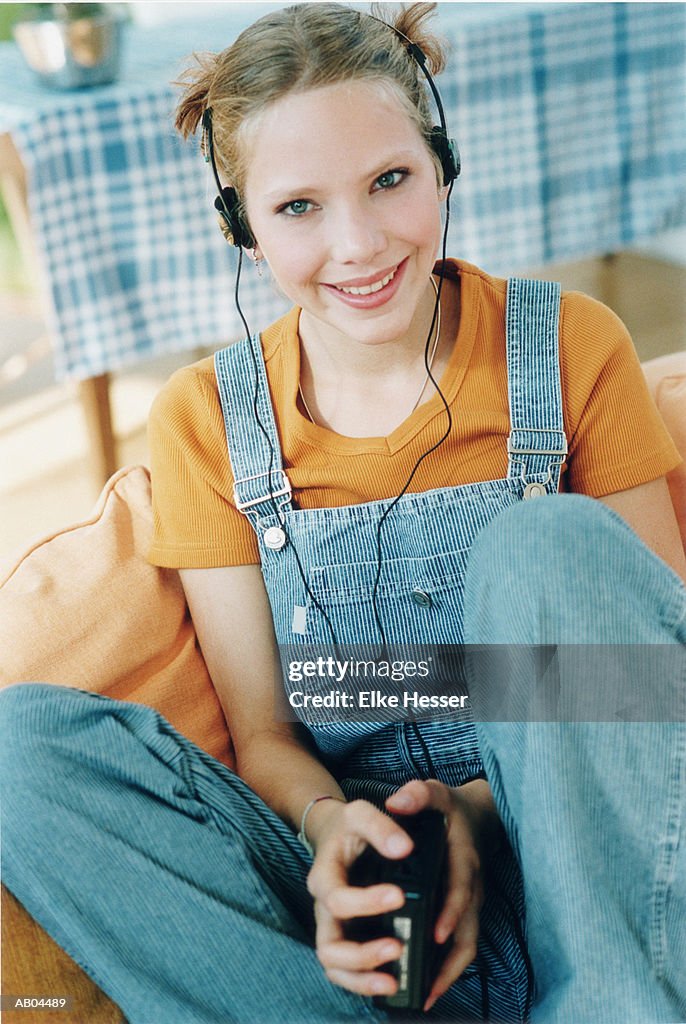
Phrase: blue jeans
x=183 y=895
x=595 y=810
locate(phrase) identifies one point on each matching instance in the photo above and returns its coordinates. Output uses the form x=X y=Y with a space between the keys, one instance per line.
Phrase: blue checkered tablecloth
x=571 y=120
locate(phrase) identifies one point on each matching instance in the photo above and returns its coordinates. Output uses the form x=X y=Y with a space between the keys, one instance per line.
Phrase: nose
x=358 y=235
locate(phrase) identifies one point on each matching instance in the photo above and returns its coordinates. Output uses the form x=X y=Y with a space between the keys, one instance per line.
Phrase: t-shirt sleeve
x=195 y=523
x=617 y=438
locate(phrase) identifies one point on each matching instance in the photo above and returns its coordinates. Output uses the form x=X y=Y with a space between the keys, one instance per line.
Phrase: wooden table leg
x=15 y=197
x=94 y=395
x=608 y=281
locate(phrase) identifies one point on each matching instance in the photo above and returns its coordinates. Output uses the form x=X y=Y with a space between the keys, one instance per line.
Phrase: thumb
x=418 y=795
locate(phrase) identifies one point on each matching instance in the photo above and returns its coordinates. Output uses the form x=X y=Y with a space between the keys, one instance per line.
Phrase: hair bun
x=196 y=81
x=410 y=21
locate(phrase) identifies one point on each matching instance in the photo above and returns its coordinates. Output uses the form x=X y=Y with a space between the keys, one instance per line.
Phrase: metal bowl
x=68 y=54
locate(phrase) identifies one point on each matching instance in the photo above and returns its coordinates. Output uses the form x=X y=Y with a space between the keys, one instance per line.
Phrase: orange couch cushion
x=666 y=378
x=84 y=608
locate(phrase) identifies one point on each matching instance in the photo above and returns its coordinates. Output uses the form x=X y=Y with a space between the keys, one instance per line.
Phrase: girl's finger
x=328 y=928
x=464 y=887
x=460 y=956
x=419 y=794
x=371 y=983
x=358 y=956
x=350 y=901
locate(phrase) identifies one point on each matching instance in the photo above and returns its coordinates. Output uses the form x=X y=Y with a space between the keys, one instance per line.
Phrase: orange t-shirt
x=616 y=437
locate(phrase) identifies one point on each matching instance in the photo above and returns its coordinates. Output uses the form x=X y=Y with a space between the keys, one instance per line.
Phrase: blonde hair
x=306 y=46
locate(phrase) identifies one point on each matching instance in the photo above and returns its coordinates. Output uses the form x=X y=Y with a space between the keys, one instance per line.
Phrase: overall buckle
x=559 y=452
x=284 y=492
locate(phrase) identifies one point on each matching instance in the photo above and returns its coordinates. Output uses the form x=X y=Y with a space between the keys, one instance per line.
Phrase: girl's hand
x=470 y=816
x=340 y=832
x=341 y=836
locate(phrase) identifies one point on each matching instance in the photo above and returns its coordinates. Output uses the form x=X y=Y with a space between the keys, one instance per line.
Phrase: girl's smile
x=372 y=292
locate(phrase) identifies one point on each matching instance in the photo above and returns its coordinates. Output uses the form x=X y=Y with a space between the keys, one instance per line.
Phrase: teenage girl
x=183 y=887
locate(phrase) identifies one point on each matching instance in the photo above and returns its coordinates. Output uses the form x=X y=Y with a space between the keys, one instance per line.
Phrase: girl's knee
x=38 y=722
x=565 y=569
x=521 y=558
x=530 y=532
x=43 y=707
x=31 y=765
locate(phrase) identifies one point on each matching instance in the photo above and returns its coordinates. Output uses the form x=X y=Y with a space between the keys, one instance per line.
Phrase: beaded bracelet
x=302 y=835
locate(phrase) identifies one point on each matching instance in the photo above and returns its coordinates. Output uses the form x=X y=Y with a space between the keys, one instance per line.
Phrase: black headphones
x=227 y=203
x=443 y=146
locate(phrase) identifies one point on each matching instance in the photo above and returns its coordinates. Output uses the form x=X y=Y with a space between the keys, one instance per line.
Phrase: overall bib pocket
x=418 y=600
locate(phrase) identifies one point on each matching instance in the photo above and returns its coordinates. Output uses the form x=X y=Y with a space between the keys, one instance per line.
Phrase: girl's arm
x=233 y=622
x=648 y=510
x=232 y=619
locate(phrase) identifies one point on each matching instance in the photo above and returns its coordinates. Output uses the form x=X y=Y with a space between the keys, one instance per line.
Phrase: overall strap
x=251 y=435
x=537 y=443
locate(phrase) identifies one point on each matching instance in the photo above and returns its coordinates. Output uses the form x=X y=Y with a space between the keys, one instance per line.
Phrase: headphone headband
x=443 y=145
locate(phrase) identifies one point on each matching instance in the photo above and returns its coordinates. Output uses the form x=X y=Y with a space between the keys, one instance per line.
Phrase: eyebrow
x=397 y=157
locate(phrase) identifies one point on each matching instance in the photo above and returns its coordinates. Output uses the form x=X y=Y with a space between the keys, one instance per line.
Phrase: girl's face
x=342 y=197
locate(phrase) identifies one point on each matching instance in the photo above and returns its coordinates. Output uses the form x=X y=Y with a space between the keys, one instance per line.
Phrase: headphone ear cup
x=447 y=152
x=237 y=231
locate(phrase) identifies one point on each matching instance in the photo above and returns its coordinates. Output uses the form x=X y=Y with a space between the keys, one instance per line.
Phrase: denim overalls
x=425 y=543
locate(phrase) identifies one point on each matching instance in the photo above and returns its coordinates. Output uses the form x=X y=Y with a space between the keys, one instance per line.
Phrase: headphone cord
x=415 y=52
x=258 y=420
x=429 y=451
x=485 y=1001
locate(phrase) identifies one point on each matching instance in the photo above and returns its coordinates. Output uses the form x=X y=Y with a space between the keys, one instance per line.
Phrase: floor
x=45 y=482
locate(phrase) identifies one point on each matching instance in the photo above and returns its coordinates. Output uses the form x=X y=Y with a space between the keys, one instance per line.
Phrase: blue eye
x=390 y=179
x=296 y=207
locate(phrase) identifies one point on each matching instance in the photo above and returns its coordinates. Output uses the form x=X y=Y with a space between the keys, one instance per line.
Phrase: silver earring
x=257 y=260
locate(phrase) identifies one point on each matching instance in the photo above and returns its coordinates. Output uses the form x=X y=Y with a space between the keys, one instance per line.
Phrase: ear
x=443 y=192
x=256 y=253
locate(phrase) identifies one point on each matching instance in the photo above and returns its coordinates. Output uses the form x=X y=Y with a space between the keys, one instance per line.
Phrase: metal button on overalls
x=274 y=538
x=421 y=598
x=533 y=491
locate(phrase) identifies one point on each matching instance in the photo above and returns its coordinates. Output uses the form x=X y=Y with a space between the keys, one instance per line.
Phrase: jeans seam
x=665 y=869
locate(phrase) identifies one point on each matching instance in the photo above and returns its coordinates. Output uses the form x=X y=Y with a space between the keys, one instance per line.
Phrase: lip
x=363 y=282
x=374 y=299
